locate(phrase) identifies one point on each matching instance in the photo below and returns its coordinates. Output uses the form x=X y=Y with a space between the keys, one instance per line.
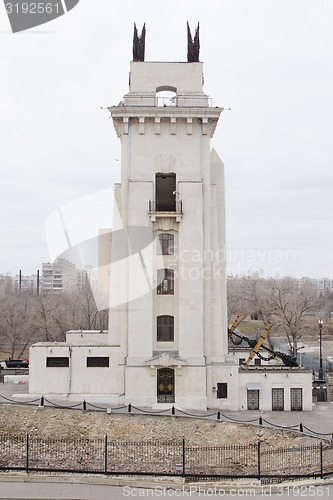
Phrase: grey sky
x=271 y=61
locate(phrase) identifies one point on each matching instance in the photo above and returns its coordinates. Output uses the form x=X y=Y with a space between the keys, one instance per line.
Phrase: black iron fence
x=32 y=453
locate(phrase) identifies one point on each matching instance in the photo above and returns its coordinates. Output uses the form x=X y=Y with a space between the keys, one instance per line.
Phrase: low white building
x=82 y=368
x=167 y=342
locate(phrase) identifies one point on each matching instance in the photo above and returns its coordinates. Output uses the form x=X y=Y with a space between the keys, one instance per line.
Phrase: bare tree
x=15 y=327
x=235 y=299
x=290 y=306
x=278 y=301
x=49 y=317
x=84 y=312
x=27 y=317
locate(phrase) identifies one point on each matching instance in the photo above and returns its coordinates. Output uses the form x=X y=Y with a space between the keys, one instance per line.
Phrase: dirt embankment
x=61 y=423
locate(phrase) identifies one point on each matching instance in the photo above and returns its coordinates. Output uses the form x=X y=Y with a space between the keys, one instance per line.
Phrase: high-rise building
x=58 y=276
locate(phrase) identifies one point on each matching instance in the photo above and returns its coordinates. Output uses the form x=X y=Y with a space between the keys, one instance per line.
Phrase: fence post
x=259 y=461
x=129 y=409
x=106 y=454
x=184 y=459
x=260 y=420
x=301 y=427
x=42 y=402
x=321 y=461
x=84 y=405
x=27 y=455
x=173 y=411
x=218 y=415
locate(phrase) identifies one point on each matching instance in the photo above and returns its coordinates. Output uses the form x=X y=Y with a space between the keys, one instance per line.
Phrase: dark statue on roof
x=139 y=44
x=193 y=45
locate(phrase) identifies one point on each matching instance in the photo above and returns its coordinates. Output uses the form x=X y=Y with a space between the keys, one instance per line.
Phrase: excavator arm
x=259 y=343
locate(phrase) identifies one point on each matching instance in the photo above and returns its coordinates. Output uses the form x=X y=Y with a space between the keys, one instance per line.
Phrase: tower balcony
x=165 y=209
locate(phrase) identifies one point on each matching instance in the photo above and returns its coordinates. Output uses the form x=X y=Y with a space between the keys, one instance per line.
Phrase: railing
x=172 y=411
x=156 y=206
x=166 y=101
x=103 y=455
x=176 y=101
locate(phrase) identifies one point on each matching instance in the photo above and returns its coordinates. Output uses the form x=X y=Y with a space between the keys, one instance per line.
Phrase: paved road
x=9 y=389
x=62 y=490
x=48 y=489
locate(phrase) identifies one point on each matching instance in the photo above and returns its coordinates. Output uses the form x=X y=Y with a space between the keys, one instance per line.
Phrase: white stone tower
x=168 y=321
x=167 y=338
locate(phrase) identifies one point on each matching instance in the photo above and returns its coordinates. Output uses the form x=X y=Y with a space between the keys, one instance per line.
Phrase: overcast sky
x=271 y=61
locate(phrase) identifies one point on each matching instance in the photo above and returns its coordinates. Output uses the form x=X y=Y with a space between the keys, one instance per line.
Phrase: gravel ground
x=17 y=419
x=66 y=423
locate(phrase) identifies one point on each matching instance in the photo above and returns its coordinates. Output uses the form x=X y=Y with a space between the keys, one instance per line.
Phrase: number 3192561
x=32 y=8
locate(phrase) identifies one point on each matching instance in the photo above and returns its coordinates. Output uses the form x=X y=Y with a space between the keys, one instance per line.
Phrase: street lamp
x=321 y=371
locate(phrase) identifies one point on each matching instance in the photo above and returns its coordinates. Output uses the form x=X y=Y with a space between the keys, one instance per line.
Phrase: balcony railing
x=198 y=101
x=156 y=206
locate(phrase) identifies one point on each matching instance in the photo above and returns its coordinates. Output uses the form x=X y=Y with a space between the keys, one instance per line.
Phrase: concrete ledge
x=16 y=379
x=151 y=482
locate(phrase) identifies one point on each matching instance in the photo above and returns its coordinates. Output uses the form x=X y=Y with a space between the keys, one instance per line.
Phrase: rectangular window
x=98 y=362
x=57 y=362
x=241 y=361
x=165 y=328
x=165 y=282
x=222 y=391
x=165 y=244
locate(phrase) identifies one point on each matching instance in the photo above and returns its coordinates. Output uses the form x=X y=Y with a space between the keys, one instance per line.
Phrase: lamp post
x=321 y=371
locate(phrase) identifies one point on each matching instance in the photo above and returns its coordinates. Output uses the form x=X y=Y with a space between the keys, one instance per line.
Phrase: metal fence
x=163 y=458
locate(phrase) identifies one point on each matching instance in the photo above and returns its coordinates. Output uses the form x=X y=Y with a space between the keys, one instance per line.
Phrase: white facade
x=171 y=186
x=167 y=340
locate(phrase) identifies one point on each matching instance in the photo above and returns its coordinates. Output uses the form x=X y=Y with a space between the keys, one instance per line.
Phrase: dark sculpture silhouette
x=139 y=44
x=193 y=45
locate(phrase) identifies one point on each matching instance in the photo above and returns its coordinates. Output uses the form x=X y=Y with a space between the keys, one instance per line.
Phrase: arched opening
x=166 y=96
x=165 y=385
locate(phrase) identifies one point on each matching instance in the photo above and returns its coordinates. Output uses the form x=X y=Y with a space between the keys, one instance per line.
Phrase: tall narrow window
x=165 y=186
x=165 y=282
x=165 y=328
x=222 y=390
x=165 y=244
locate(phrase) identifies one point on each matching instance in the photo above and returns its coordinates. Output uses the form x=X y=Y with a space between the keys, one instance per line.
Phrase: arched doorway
x=165 y=385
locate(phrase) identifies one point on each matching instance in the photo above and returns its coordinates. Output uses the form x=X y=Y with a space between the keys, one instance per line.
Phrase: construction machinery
x=257 y=344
